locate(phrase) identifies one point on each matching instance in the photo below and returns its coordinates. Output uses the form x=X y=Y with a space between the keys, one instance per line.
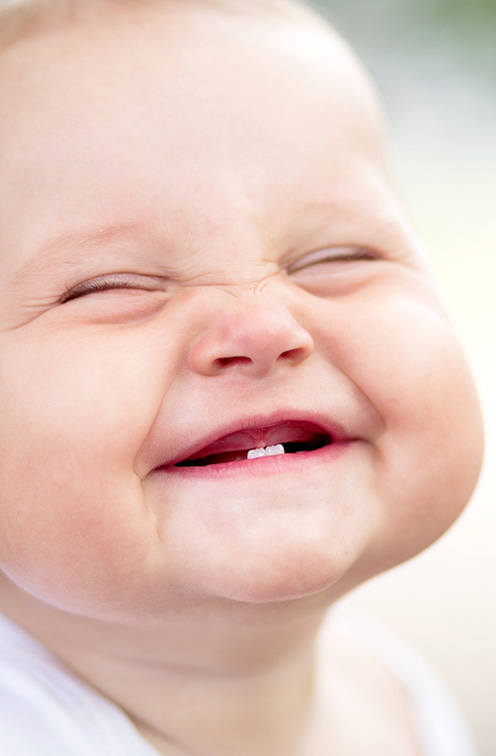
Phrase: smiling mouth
x=259 y=443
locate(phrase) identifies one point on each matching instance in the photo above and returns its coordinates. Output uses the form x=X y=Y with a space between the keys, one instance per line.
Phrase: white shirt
x=45 y=710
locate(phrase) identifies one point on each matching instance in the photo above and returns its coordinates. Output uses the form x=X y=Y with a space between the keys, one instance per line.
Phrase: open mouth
x=291 y=438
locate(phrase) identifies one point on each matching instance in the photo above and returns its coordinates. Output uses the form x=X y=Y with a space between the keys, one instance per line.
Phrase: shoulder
x=388 y=677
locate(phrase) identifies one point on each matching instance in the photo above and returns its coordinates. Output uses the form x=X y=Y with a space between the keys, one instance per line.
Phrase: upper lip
x=258 y=431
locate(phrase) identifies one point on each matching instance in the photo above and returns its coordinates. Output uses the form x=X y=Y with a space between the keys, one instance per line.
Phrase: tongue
x=236 y=445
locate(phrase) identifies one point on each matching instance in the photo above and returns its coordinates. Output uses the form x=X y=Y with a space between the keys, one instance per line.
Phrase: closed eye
x=108 y=283
x=332 y=255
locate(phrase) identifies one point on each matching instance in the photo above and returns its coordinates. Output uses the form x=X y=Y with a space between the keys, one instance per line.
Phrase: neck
x=184 y=711
x=241 y=684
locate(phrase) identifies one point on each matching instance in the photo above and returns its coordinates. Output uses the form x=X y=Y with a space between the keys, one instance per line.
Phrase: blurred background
x=435 y=65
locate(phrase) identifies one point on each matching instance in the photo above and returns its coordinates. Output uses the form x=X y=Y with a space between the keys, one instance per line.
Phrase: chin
x=281 y=575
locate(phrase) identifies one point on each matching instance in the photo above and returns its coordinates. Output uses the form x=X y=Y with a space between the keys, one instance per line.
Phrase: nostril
x=227 y=361
x=295 y=355
x=253 y=341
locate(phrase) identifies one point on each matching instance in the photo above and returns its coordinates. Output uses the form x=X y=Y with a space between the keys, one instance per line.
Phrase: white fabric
x=47 y=711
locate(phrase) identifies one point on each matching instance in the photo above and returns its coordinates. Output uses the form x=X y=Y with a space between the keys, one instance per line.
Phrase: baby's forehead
x=206 y=94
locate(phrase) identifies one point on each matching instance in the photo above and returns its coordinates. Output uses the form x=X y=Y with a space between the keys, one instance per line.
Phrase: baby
x=228 y=390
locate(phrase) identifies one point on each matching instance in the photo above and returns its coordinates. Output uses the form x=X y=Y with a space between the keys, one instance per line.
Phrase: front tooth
x=268 y=451
x=254 y=453
x=273 y=450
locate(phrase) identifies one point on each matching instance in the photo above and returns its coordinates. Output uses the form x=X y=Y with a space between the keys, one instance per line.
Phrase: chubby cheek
x=59 y=542
x=410 y=365
x=73 y=520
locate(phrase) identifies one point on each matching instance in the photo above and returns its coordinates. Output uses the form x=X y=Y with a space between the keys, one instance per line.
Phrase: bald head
x=22 y=19
x=19 y=18
x=300 y=30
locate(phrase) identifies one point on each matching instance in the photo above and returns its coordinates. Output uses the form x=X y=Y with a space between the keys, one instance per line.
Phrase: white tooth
x=269 y=451
x=253 y=453
x=273 y=450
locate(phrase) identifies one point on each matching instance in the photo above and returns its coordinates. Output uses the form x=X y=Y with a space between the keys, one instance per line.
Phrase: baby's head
x=201 y=255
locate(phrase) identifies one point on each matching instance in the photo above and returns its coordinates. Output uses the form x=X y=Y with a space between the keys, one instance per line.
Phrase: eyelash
x=99 y=284
x=347 y=255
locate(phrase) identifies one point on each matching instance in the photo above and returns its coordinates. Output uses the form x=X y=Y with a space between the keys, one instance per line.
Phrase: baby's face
x=200 y=255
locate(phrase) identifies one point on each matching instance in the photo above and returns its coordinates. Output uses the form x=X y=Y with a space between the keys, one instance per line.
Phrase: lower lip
x=278 y=463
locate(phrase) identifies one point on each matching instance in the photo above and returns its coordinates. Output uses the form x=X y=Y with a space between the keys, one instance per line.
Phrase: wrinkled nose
x=253 y=340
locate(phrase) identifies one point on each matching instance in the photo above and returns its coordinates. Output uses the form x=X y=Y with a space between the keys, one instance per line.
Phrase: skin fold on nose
x=255 y=341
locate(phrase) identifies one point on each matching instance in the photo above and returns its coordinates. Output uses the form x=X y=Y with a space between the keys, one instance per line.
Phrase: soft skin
x=227 y=176
x=221 y=166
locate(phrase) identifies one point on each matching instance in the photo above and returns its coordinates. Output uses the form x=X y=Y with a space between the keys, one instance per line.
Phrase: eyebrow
x=62 y=251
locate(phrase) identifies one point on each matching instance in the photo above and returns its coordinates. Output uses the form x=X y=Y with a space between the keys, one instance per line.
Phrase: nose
x=253 y=339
